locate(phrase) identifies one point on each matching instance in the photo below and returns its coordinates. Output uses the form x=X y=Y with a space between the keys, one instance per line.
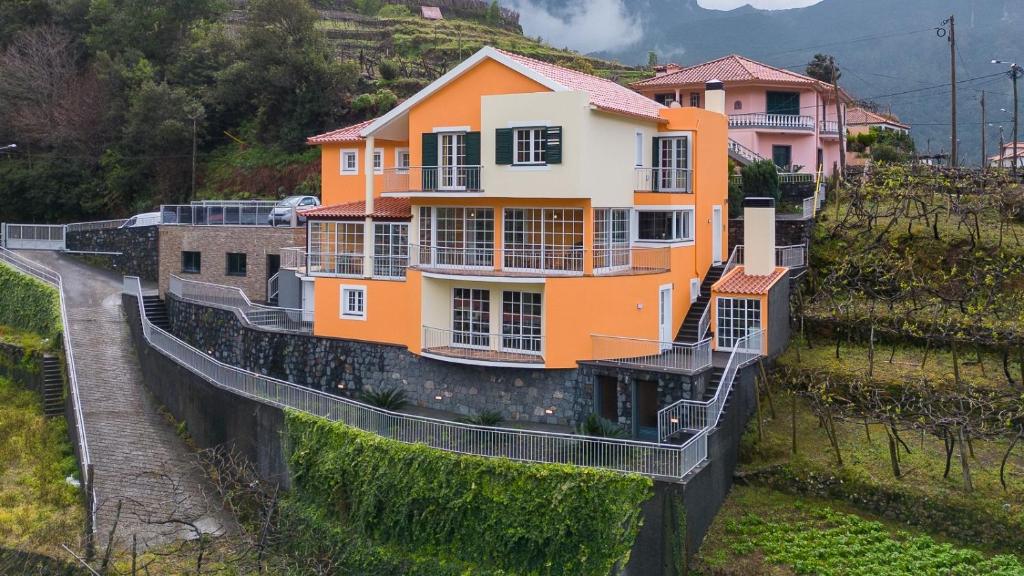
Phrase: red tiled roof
x=731 y=68
x=856 y=116
x=604 y=94
x=739 y=282
x=382 y=208
x=346 y=134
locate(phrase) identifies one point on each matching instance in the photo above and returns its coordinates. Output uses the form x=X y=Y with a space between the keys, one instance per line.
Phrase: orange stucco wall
x=338 y=188
x=392 y=310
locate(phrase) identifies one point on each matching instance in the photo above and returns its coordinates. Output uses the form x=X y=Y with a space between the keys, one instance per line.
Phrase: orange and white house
x=514 y=213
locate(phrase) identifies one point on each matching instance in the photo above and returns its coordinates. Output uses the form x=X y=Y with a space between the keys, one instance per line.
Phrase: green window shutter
x=655 y=162
x=429 y=177
x=503 y=146
x=472 y=148
x=553 y=144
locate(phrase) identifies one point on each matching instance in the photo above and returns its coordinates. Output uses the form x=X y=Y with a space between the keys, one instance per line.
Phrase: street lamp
x=1015 y=72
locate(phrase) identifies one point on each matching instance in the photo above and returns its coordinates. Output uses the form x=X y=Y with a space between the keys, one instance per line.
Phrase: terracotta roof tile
x=346 y=134
x=739 y=282
x=604 y=94
x=382 y=208
x=857 y=116
x=731 y=68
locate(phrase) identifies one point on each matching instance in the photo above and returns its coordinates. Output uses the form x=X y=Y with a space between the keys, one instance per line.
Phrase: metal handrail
x=293 y=258
x=648 y=179
x=521 y=348
x=95 y=225
x=628 y=456
x=745 y=152
x=703 y=415
x=808 y=208
x=460 y=178
x=652 y=354
x=542 y=260
x=40 y=272
x=705 y=322
x=235 y=300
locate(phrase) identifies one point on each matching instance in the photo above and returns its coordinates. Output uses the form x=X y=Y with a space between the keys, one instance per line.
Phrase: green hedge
x=490 y=513
x=28 y=304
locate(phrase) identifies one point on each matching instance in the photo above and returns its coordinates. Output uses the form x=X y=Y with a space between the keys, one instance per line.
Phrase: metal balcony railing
x=657 y=460
x=233 y=299
x=671 y=180
x=652 y=354
x=331 y=264
x=433 y=179
x=515 y=347
x=794 y=256
x=293 y=258
x=773 y=121
x=541 y=260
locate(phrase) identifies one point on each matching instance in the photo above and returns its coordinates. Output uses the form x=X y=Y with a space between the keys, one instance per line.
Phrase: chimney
x=759 y=236
x=714 y=96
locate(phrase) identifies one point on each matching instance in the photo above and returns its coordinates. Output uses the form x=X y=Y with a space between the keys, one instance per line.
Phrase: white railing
x=331 y=264
x=390 y=267
x=293 y=258
x=222 y=213
x=795 y=177
x=273 y=287
x=663 y=180
x=627 y=456
x=652 y=354
x=33 y=236
x=794 y=256
x=433 y=179
x=761 y=120
x=705 y=322
x=479 y=346
x=828 y=127
x=97 y=225
x=233 y=299
x=808 y=208
x=735 y=258
x=744 y=152
x=541 y=260
x=48 y=276
x=702 y=415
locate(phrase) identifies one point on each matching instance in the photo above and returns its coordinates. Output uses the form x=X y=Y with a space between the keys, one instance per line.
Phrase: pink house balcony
x=829 y=128
x=758 y=120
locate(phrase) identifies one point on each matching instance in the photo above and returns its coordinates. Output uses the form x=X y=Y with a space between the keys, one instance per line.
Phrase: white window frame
x=387 y=249
x=638 y=149
x=537 y=146
x=471 y=338
x=669 y=182
x=344 y=312
x=726 y=333
x=402 y=164
x=350 y=154
x=543 y=224
x=684 y=217
x=464 y=245
x=378 y=160
x=451 y=167
x=513 y=330
x=612 y=252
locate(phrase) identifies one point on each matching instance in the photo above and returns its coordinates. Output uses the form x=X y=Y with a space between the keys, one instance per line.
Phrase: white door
x=453 y=159
x=665 y=316
x=716 y=234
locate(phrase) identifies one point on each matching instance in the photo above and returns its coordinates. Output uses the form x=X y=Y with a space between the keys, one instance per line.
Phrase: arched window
x=737 y=105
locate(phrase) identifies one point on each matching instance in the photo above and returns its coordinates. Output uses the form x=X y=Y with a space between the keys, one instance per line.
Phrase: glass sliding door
x=471 y=317
x=452 y=156
x=521 y=322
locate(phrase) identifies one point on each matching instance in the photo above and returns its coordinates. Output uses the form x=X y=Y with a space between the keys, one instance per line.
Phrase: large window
x=471 y=317
x=390 y=249
x=530 y=146
x=665 y=225
x=457 y=237
x=336 y=248
x=548 y=239
x=236 y=265
x=674 y=164
x=191 y=262
x=738 y=317
x=611 y=238
x=521 y=321
x=787 y=103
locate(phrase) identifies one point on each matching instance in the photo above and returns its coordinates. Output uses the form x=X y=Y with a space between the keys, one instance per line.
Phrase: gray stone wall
x=787 y=232
x=21 y=367
x=138 y=249
x=672 y=387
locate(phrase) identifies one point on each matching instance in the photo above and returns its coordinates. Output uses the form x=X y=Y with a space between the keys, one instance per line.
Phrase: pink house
x=773 y=113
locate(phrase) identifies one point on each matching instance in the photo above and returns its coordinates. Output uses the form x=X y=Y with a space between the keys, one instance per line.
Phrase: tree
x=652 y=59
x=493 y=14
x=761 y=179
x=823 y=67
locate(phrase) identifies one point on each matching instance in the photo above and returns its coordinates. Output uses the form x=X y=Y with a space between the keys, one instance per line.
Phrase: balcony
x=787 y=256
x=294 y=259
x=772 y=121
x=540 y=261
x=432 y=179
x=829 y=128
x=352 y=265
x=652 y=354
x=478 y=348
x=669 y=180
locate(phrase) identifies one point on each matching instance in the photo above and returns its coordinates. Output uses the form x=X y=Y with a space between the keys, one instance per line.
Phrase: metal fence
x=97 y=225
x=652 y=354
x=33 y=236
x=541 y=260
x=224 y=213
x=231 y=298
x=663 y=179
x=629 y=456
x=794 y=256
x=44 y=274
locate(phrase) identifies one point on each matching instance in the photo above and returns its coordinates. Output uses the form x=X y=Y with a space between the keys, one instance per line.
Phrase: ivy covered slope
x=463 y=514
x=28 y=304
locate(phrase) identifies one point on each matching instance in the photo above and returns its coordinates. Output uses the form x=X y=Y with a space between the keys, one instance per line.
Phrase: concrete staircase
x=691 y=324
x=53 y=387
x=156 y=311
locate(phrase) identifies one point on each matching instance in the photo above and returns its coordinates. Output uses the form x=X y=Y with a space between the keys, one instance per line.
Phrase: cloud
x=762 y=4
x=583 y=25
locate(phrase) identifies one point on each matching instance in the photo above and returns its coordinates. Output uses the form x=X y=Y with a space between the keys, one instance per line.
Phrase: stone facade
x=214 y=243
x=671 y=387
x=138 y=249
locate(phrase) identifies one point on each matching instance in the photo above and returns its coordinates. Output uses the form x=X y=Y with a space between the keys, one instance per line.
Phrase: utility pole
x=839 y=118
x=950 y=32
x=1016 y=71
x=984 y=151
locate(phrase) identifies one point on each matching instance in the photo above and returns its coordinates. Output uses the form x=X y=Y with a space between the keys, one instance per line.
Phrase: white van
x=144 y=219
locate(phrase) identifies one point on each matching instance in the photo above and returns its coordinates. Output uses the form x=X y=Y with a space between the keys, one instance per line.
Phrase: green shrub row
x=496 y=514
x=28 y=304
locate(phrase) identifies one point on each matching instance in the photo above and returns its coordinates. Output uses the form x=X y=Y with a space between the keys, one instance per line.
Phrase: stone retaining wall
x=787 y=232
x=24 y=368
x=138 y=247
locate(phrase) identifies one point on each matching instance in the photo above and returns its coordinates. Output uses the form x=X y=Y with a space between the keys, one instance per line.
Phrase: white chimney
x=714 y=96
x=759 y=236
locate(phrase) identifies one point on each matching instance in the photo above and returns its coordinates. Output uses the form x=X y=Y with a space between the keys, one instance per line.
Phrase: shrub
x=391 y=399
x=761 y=179
x=28 y=304
x=594 y=425
x=499 y=515
x=388 y=68
x=394 y=11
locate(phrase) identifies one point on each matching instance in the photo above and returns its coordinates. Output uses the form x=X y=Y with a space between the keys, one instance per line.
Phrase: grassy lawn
x=39 y=511
x=761 y=532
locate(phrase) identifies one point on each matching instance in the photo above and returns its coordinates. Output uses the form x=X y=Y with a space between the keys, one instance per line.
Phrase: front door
x=645 y=409
x=665 y=316
x=607 y=396
x=716 y=234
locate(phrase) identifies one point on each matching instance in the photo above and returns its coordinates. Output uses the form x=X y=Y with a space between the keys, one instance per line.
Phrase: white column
x=368 y=226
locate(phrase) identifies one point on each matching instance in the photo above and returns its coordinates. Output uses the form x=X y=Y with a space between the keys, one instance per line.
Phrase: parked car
x=144 y=219
x=282 y=212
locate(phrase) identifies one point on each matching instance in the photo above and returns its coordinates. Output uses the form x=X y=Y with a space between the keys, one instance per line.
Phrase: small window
x=695 y=99
x=236 y=264
x=349 y=162
x=353 y=302
x=665 y=226
x=665 y=99
x=530 y=145
x=737 y=105
x=402 y=161
x=191 y=262
x=638 y=150
x=378 y=161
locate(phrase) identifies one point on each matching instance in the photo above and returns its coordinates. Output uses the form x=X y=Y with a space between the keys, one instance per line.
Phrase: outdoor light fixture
x=549 y=411
x=341 y=385
x=674 y=420
x=438 y=397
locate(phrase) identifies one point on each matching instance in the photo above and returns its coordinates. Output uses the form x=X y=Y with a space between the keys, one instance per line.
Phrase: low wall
x=25 y=369
x=138 y=247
